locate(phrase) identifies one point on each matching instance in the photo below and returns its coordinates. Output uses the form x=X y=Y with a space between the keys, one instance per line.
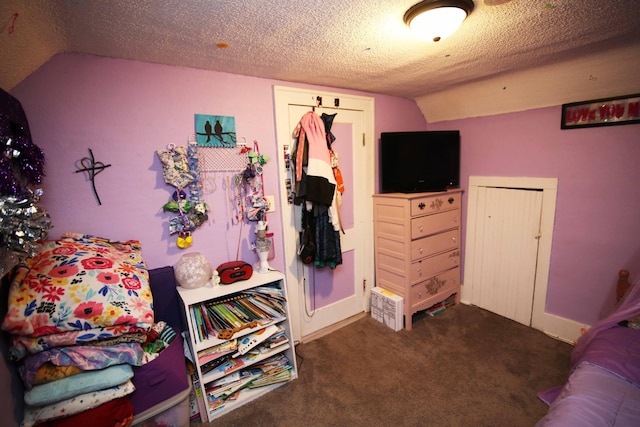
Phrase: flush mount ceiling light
x=435 y=20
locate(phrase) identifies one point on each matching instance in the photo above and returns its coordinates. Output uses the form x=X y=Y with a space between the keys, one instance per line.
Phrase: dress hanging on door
x=315 y=190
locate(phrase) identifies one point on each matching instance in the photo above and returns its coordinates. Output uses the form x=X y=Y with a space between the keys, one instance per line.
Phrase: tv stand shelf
x=417 y=247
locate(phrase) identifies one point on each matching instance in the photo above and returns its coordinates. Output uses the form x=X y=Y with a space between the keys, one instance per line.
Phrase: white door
x=508 y=245
x=320 y=297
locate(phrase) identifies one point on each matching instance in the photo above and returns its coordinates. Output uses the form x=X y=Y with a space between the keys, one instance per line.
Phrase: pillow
x=78 y=283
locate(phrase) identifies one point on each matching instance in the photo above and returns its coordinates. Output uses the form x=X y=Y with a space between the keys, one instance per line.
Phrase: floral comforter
x=78 y=289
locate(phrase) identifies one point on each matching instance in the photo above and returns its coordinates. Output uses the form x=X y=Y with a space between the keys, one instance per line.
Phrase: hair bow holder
x=180 y=169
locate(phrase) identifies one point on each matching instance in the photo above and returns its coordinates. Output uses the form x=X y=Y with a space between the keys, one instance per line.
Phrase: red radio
x=234 y=271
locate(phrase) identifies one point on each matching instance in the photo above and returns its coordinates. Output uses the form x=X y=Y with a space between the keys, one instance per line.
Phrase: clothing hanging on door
x=315 y=190
x=327 y=119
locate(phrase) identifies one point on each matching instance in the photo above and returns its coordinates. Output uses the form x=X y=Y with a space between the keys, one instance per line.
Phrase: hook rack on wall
x=223 y=159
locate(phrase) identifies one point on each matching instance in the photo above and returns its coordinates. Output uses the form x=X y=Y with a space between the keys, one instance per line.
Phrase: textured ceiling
x=360 y=44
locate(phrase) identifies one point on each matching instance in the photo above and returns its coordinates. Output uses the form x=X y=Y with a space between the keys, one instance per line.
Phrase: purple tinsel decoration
x=22 y=162
x=23 y=224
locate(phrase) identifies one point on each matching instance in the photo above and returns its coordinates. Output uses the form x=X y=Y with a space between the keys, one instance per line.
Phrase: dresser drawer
x=431 y=245
x=432 y=224
x=435 y=289
x=431 y=204
x=428 y=267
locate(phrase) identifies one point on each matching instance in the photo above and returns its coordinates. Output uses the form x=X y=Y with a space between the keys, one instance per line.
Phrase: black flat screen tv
x=423 y=161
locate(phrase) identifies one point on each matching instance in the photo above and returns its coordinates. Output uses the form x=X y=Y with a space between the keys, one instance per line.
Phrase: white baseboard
x=561 y=328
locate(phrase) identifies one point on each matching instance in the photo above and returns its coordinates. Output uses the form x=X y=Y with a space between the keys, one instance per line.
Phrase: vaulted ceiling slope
x=508 y=55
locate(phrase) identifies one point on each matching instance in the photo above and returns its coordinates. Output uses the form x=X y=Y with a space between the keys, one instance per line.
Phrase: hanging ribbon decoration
x=252 y=176
x=181 y=170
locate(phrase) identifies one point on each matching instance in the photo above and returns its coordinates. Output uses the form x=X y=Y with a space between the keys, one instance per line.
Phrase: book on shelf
x=281 y=375
x=212 y=353
x=200 y=400
x=228 y=316
x=206 y=320
x=252 y=308
x=272 y=291
x=227 y=364
x=211 y=317
x=438 y=308
x=273 y=370
x=219 y=321
x=248 y=342
x=215 y=403
x=215 y=364
x=231 y=364
x=264 y=305
x=227 y=389
x=277 y=338
x=232 y=377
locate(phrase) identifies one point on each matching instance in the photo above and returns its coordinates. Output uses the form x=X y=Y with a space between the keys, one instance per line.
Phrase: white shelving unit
x=199 y=343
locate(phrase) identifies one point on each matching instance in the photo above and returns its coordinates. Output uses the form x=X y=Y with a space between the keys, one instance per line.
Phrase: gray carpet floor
x=464 y=367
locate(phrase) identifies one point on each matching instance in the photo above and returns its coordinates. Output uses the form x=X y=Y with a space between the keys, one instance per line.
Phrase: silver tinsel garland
x=23 y=226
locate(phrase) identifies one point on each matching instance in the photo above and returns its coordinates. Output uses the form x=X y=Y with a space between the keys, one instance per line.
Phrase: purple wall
x=125 y=111
x=598 y=207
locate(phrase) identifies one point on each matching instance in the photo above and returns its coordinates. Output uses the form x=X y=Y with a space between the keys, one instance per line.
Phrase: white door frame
x=283 y=96
x=549 y=186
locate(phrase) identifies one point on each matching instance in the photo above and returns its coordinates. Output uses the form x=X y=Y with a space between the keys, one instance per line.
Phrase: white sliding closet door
x=506 y=249
x=508 y=246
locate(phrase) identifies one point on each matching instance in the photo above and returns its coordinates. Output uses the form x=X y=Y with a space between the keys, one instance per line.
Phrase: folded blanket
x=86 y=358
x=74 y=405
x=50 y=372
x=118 y=412
x=86 y=382
x=21 y=346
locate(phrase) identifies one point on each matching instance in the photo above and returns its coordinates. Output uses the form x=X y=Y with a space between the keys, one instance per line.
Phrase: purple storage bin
x=165 y=379
x=160 y=379
x=166 y=301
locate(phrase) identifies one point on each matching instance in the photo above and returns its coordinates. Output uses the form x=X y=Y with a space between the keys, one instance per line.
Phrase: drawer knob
x=451 y=200
x=421 y=206
x=421 y=228
x=420 y=250
x=420 y=272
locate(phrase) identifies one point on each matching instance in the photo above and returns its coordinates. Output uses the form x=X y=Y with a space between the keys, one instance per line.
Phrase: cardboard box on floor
x=386 y=307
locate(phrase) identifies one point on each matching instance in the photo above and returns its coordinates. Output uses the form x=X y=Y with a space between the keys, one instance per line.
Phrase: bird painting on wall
x=221 y=134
